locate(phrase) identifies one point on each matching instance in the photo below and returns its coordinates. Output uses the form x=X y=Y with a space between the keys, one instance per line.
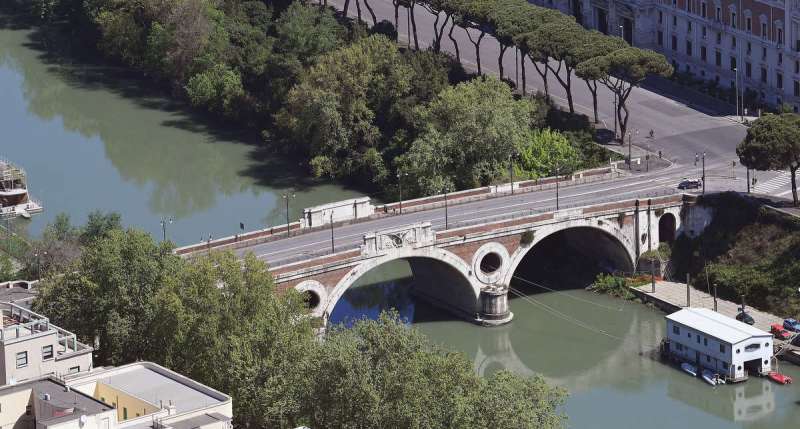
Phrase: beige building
x=141 y=395
x=31 y=346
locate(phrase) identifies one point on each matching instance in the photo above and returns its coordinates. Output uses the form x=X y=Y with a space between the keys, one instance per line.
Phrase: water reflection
x=614 y=380
x=93 y=136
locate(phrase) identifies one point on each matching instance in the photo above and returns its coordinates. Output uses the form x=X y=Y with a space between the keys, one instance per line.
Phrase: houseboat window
x=766 y=362
x=708 y=358
x=689 y=334
x=698 y=339
x=676 y=330
x=766 y=344
x=724 y=365
x=739 y=367
x=751 y=347
x=722 y=348
x=737 y=351
x=705 y=341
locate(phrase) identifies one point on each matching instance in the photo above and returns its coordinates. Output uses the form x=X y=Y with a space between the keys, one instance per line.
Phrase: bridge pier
x=494 y=307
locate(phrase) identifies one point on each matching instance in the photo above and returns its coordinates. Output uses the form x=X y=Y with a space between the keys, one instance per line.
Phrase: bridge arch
x=667 y=226
x=315 y=294
x=609 y=229
x=448 y=280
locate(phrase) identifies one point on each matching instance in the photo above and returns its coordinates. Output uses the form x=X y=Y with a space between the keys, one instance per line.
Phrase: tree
x=560 y=39
x=622 y=70
x=384 y=374
x=335 y=113
x=595 y=44
x=106 y=294
x=773 y=143
x=462 y=143
x=544 y=153
x=217 y=89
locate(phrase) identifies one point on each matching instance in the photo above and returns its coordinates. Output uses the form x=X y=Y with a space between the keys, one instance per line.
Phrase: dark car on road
x=690 y=184
x=745 y=317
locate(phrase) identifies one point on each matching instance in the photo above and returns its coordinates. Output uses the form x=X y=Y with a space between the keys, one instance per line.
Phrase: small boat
x=709 y=377
x=689 y=369
x=779 y=378
x=25 y=214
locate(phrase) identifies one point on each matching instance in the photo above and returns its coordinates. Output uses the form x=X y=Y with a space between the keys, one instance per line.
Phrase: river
x=92 y=138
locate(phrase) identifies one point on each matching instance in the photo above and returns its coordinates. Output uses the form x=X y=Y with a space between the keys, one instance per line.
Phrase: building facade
x=723 y=345
x=31 y=346
x=752 y=46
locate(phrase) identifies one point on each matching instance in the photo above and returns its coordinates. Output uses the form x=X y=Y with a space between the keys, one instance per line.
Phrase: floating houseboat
x=14 y=197
x=724 y=346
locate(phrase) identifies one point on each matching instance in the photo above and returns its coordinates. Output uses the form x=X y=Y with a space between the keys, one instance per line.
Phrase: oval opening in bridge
x=311 y=299
x=491 y=263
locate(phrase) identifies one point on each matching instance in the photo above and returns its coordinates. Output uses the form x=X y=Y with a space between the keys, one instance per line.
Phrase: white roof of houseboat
x=716 y=325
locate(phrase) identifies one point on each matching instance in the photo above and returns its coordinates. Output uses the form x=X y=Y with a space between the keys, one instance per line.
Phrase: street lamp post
x=287 y=196
x=164 y=226
x=446 y=189
x=333 y=248
x=736 y=88
x=400 y=184
x=511 y=170
x=704 y=173
x=558 y=179
x=630 y=149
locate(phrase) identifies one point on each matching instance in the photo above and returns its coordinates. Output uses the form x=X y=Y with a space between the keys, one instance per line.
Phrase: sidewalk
x=671 y=295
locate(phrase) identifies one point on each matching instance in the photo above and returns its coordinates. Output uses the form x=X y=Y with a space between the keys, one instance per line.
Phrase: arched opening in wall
x=311 y=299
x=420 y=290
x=571 y=329
x=666 y=228
x=570 y=259
x=491 y=262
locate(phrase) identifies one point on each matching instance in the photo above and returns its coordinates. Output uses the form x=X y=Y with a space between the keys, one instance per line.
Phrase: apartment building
x=743 y=44
x=141 y=395
x=31 y=346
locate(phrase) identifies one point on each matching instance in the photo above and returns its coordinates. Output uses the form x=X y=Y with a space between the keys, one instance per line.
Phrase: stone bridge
x=468 y=270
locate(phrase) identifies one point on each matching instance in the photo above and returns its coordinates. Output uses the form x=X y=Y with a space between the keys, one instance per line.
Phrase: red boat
x=779 y=378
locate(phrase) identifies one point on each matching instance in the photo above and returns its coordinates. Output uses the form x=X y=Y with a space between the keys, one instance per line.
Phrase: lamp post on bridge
x=445 y=190
x=287 y=196
x=400 y=184
x=164 y=221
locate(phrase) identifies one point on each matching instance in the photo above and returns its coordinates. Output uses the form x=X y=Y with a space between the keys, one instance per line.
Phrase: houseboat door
x=697 y=357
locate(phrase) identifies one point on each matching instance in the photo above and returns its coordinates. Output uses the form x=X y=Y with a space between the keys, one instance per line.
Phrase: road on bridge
x=310 y=244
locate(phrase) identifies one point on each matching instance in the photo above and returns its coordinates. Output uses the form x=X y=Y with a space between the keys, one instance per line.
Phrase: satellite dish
x=82 y=420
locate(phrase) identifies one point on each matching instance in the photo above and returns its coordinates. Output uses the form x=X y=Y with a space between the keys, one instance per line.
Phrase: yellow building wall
x=123 y=402
x=13 y=409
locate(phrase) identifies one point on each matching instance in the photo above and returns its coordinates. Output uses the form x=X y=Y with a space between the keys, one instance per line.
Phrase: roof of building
x=716 y=325
x=199 y=421
x=19 y=292
x=61 y=405
x=157 y=385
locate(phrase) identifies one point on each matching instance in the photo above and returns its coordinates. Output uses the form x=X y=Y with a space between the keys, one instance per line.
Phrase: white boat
x=709 y=377
x=689 y=369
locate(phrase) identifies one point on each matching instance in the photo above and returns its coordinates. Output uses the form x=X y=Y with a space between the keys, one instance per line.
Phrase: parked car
x=690 y=184
x=777 y=330
x=791 y=325
x=745 y=317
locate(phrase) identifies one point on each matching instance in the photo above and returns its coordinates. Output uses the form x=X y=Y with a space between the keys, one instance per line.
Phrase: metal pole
x=688 y=297
x=164 y=229
x=652 y=276
x=511 y=167
x=630 y=152
x=287 y=196
x=445 y=208
x=736 y=88
x=558 y=179
x=704 y=172
x=400 y=183
x=332 y=246
x=715 y=297
x=748 y=180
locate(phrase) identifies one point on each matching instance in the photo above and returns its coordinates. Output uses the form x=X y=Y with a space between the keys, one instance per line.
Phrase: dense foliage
x=221 y=321
x=354 y=106
x=747 y=250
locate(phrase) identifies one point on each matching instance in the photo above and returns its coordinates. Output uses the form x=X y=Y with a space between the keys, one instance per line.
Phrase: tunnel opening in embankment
x=419 y=289
x=570 y=259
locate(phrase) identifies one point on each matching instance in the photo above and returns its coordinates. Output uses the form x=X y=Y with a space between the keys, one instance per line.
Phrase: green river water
x=92 y=138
